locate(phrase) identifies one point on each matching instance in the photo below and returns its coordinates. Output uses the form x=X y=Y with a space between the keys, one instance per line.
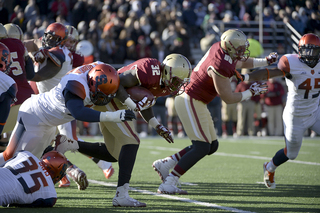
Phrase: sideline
x=173 y=197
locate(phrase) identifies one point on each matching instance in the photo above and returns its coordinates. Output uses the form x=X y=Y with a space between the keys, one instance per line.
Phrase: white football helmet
x=73 y=38
x=176 y=71
x=3 y=32
x=85 y=48
x=234 y=42
x=14 y=31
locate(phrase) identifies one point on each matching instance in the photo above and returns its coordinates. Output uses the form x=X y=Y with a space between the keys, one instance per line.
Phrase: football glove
x=258 y=89
x=127 y=115
x=165 y=133
x=272 y=57
x=144 y=104
x=41 y=55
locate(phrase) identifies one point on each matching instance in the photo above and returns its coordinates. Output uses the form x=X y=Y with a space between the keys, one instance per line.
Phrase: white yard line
x=174 y=197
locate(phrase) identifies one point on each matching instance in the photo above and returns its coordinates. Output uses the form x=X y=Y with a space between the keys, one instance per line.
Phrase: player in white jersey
x=88 y=85
x=27 y=181
x=8 y=87
x=302 y=111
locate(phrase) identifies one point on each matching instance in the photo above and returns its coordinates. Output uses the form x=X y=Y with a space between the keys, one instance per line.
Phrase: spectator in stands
x=313 y=24
x=58 y=7
x=20 y=20
x=31 y=12
x=296 y=22
x=143 y=50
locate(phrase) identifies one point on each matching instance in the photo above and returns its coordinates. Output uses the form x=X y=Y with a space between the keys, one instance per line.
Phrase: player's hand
x=144 y=104
x=41 y=55
x=165 y=133
x=272 y=57
x=258 y=89
x=127 y=115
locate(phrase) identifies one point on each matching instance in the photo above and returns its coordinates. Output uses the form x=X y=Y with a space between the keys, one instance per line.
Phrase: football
x=137 y=93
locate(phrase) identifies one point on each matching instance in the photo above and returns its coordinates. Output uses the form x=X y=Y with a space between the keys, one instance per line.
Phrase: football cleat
x=64 y=182
x=268 y=177
x=78 y=176
x=106 y=167
x=63 y=144
x=163 y=166
x=169 y=186
x=122 y=198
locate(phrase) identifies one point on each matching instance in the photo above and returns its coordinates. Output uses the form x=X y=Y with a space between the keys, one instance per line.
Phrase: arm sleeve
x=5 y=102
x=75 y=105
x=29 y=68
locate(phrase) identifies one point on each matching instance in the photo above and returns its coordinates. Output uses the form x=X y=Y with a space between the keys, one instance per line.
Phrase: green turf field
x=231 y=180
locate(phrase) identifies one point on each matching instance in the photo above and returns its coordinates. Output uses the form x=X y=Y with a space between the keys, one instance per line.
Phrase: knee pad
x=200 y=147
x=214 y=147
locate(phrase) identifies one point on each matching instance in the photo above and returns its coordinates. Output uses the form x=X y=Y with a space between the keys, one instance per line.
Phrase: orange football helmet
x=55 y=35
x=103 y=81
x=56 y=164
x=309 y=49
x=5 y=58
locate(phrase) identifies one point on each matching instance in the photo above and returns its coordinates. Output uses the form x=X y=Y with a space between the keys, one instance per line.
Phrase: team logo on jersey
x=312 y=72
x=303 y=73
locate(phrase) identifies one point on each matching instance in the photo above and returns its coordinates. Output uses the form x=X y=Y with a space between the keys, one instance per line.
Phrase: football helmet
x=176 y=70
x=234 y=42
x=3 y=32
x=56 y=34
x=14 y=31
x=56 y=164
x=309 y=49
x=73 y=38
x=5 y=58
x=103 y=81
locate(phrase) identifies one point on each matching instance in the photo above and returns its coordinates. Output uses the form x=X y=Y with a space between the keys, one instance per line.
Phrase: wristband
x=110 y=116
x=260 y=62
x=154 y=122
x=246 y=94
x=129 y=102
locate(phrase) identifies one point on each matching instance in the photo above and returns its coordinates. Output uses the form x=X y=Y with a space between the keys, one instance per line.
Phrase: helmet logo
x=101 y=79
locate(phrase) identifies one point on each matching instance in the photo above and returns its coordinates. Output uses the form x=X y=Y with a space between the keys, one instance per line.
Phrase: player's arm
x=74 y=96
x=5 y=103
x=258 y=62
x=29 y=68
x=31 y=45
x=50 y=67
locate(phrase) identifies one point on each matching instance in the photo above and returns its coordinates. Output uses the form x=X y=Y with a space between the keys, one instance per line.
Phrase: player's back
x=18 y=72
x=303 y=87
x=28 y=172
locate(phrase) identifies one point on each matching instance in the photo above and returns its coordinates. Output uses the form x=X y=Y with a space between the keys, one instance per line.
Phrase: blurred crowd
x=122 y=31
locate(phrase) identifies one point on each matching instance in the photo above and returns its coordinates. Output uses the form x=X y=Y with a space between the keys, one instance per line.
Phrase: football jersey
x=50 y=106
x=148 y=72
x=24 y=180
x=201 y=85
x=66 y=66
x=5 y=82
x=18 y=73
x=303 y=87
x=78 y=59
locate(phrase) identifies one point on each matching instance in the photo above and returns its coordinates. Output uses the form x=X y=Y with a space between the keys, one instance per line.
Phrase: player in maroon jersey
x=22 y=70
x=211 y=77
x=121 y=140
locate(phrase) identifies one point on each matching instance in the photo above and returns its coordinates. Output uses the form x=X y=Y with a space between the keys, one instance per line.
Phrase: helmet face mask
x=309 y=49
x=234 y=42
x=103 y=81
x=5 y=59
x=55 y=163
x=176 y=73
x=55 y=35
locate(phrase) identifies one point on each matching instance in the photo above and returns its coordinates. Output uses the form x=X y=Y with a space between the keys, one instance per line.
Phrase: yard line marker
x=231 y=155
x=173 y=197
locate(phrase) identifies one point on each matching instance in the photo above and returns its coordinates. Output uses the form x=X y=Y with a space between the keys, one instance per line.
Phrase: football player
x=69 y=129
x=22 y=70
x=211 y=77
x=302 y=111
x=27 y=181
x=88 y=85
x=8 y=87
x=121 y=140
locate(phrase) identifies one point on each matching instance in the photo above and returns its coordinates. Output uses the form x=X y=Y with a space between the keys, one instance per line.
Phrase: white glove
x=117 y=116
x=141 y=105
x=258 y=89
x=272 y=57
